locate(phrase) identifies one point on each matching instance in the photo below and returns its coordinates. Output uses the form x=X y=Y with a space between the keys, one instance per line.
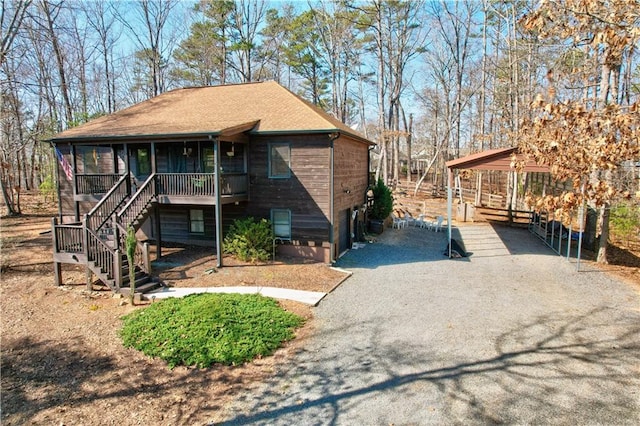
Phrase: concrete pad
x=308 y=297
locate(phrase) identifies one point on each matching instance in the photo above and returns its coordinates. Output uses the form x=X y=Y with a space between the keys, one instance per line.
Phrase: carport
x=501 y=159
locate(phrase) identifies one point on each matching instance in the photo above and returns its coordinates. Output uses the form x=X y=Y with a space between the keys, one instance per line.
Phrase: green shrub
x=382 y=201
x=205 y=329
x=250 y=240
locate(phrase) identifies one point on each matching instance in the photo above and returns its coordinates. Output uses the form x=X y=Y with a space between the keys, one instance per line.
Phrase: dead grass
x=63 y=361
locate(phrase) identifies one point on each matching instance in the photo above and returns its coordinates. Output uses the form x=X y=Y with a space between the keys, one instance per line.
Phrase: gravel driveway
x=512 y=334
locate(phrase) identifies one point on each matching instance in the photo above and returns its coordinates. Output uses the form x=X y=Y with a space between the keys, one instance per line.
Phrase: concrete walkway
x=513 y=334
x=309 y=297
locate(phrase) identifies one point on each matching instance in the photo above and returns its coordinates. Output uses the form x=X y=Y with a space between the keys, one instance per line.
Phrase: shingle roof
x=266 y=106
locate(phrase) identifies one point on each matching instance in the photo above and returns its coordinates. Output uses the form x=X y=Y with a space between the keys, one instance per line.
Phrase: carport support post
x=449 y=206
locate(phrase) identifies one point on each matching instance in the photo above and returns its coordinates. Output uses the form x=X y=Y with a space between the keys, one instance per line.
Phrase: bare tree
x=100 y=17
x=50 y=12
x=12 y=13
x=397 y=38
x=248 y=17
x=154 y=47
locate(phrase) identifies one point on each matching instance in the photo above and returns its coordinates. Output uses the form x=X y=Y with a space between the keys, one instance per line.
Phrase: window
x=196 y=221
x=89 y=159
x=279 y=160
x=281 y=221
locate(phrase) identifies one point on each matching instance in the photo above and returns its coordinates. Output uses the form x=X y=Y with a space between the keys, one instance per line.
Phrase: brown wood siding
x=174 y=223
x=67 y=206
x=306 y=193
x=350 y=180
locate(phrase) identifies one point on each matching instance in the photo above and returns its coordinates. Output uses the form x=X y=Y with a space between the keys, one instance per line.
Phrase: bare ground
x=62 y=359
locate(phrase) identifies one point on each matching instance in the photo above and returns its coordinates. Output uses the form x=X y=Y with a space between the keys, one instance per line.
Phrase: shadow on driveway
x=564 y=373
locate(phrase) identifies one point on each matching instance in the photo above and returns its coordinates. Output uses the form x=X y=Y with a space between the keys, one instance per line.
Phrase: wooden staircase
x=99 y=241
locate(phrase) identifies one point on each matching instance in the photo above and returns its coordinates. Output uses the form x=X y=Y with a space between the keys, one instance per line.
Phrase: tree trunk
x=604 y=234
x=64 y=88
x=409 y=133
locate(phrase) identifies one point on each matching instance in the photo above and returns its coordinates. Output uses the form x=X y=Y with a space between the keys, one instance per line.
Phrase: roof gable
x=213 y=111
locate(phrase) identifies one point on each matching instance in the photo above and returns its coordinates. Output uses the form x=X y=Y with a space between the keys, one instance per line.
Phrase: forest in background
x=425 y=80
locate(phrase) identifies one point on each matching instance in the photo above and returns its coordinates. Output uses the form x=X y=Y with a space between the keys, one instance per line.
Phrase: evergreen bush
x=250 y=240
x=382 y=201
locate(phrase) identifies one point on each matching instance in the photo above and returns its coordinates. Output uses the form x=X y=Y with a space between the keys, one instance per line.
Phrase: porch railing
x=67 y=238
x=233 y=183
x=200 y=184
x=188 y=184
x=96 y=183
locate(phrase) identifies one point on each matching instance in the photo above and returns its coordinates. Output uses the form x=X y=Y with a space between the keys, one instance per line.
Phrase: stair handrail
x=99 y=252
x=109 y=204
x=148 y=189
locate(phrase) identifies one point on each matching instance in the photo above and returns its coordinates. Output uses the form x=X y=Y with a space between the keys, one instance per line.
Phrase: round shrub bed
x=205 y=329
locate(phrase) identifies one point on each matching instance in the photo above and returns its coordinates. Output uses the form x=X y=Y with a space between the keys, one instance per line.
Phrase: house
x=182 y=166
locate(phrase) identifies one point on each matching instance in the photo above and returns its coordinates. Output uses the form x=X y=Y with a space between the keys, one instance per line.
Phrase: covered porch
x=183 y=172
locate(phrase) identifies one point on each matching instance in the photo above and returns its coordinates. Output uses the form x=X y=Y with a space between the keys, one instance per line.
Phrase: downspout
x=218 y=206
x=332 y=250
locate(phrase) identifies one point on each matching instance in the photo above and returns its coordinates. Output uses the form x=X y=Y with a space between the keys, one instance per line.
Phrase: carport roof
x=495 y=159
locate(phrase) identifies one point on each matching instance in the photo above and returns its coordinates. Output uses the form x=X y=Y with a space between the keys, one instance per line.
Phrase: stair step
x=145 y=288
x=142 y=288
x=139 y=274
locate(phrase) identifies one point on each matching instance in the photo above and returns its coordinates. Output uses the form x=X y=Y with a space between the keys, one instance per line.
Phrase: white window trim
x=273 y=224
x=269 y=171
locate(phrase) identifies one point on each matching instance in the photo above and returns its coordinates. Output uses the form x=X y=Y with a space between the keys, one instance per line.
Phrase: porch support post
x=117 y=269
x=89 y=279
x=127 y=161
x=449 y=206
x=153 y=157
x=218 y=206
x=57 y=273
x=146 y=258
x=57 y=266
x=156 y=214
x=114 y=155
x=76 y=204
